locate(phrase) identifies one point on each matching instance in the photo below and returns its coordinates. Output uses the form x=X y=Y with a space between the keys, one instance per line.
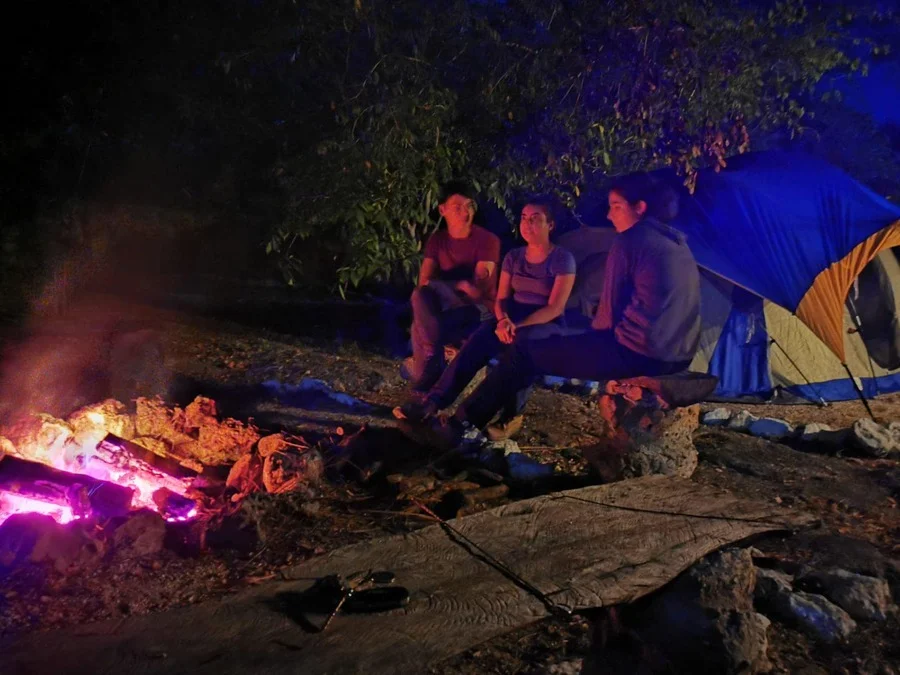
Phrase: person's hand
x=468 y=288
x=506 y=330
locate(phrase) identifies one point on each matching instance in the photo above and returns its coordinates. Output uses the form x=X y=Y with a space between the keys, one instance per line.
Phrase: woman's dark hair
x=661 y=199
x=548 y=204
x=455 y=187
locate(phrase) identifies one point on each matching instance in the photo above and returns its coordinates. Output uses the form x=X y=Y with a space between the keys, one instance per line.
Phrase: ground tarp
x=591 y=547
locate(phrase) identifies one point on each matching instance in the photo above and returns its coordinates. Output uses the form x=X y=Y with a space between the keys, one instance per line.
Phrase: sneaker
x=501 y=431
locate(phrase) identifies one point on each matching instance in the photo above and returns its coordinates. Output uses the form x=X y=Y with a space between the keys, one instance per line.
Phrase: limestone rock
x=154 y=419
x=200 y=412
x=92 y=423
x=741 y=421
x=813 y=614
x=771 y=428
x=644 y=437
x=34 y=538
x=871 y=439
x=291 y=469
x=710 y=605
x=717 y=417
x=40 y=438
x=271 y=444
x=862 y=597
x=143 y=534
x=817 y=616
x=6 y=447
x=246 y=474
x=770 y=584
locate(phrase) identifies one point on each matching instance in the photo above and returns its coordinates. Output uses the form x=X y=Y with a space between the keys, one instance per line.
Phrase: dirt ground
x=855 y=501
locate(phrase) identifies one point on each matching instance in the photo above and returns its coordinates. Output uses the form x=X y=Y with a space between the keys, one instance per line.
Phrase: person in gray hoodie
x=647 y=323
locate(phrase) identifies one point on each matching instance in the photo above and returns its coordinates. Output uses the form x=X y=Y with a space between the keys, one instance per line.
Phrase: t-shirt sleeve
x=563 y=262
x=509 y=262
x=432 y=246
x=489 y=248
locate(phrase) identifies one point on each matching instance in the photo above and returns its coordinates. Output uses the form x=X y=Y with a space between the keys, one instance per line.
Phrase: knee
x=422 y=299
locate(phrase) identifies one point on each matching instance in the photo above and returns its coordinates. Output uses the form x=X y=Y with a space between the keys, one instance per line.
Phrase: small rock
x=862 y=597
x=508 y=446
x=810 y=432
x=769 y=585
x=872 y=439
x=771 y=428
x=717 y=417
x=143 y=534
x=817 y=616
x=245 y=475
x=573 y=667
x=741 y=421
x=291 y=469
x=268 y=445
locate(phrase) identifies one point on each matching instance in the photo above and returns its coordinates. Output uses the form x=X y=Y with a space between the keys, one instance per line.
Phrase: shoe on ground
x=501 y=431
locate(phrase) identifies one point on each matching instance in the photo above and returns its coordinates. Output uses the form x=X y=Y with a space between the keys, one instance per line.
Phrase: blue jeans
x=594 y=355
x=481 y=347
x=432 y=328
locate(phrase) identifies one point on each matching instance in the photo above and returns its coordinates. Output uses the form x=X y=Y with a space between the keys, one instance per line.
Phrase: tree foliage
x=523 y=95
x=328 y=125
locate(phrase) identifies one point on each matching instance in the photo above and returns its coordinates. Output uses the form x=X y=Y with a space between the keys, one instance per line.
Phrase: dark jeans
x=594 y=355
x=432 y=328
x=481 y=347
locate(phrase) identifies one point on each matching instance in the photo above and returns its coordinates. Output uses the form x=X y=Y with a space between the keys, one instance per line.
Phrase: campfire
x=85 y=466
x=102 y=462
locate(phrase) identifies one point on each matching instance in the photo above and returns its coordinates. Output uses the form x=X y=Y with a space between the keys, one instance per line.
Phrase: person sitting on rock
x=456 y=288
x=535 y=283
x=648 y=321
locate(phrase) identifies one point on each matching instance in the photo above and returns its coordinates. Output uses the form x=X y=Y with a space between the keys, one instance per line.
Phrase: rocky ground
x=853 y=498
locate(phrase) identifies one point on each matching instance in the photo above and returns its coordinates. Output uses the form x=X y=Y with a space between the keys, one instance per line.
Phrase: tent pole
x=797 y=368
x=854 y=316
x=859 y=392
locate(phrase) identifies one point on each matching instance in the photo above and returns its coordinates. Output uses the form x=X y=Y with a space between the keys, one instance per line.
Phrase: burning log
x=83 y=494
x=119 y=452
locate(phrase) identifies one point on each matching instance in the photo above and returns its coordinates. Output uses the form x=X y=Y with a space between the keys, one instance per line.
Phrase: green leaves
x=521 y=97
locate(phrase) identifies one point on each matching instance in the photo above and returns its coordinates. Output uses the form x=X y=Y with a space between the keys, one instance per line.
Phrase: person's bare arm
x=482 y=288
x=427 y=271
x=505 y=329
x=559 y=296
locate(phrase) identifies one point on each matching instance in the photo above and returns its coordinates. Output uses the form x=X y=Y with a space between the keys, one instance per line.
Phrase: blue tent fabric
x=771 y=222
x=741 y=357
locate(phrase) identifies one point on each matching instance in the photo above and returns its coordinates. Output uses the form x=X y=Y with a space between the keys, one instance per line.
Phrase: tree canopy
x=330 y=124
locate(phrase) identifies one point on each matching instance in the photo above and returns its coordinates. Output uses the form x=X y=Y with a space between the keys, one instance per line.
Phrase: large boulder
x=705 y=622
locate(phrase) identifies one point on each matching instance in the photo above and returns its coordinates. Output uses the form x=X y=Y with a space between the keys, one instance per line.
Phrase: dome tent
x=799 y=283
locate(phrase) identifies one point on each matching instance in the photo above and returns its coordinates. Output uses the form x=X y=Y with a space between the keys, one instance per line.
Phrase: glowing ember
x=81 y=446
x=12 y=504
